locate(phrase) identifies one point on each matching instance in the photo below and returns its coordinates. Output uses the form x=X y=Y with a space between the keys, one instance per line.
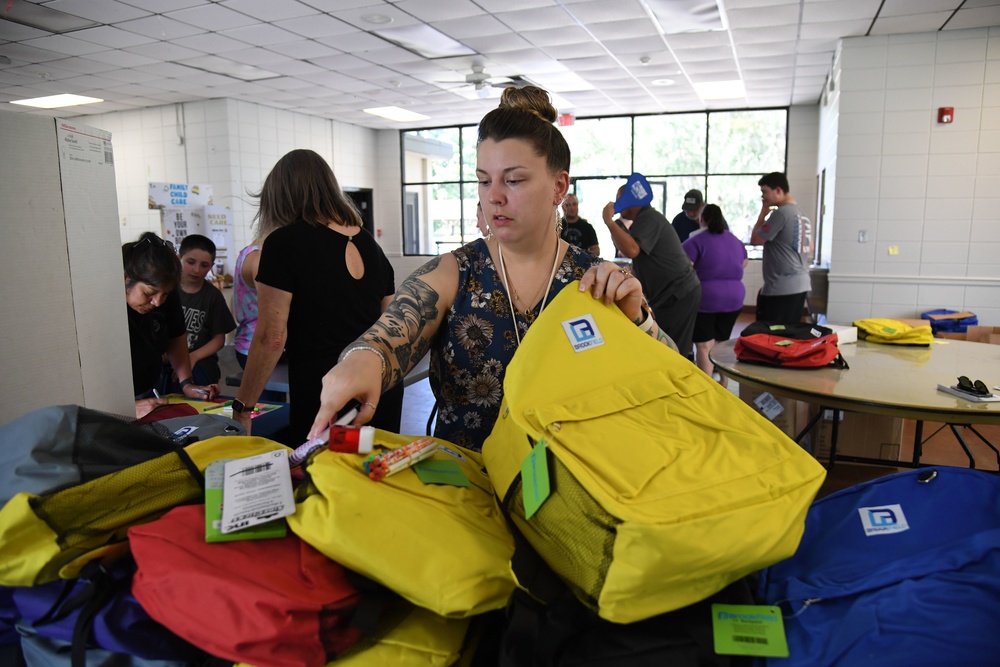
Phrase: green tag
x=888 y=330
x=445 y=471
x=777 y=327
x=783 y=343
x=748 y=629
x=535 y=479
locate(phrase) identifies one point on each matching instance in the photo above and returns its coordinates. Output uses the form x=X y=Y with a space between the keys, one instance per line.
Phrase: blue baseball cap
x=636 y=193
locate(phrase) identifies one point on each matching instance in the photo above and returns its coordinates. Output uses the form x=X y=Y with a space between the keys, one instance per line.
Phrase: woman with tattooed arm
x=321 y=282
x=471 y=308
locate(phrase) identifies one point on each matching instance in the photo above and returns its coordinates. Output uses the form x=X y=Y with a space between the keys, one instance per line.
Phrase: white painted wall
x=927 y=195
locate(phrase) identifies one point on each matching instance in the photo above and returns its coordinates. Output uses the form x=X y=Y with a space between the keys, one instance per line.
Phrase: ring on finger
x=625 y=271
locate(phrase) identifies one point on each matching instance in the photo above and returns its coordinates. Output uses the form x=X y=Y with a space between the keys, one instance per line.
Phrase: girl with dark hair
x=471 y=307
x=321 y=280
x=719 y=259
x=155 y=319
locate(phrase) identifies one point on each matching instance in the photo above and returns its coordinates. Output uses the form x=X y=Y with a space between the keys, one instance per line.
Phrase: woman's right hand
x=358 y=376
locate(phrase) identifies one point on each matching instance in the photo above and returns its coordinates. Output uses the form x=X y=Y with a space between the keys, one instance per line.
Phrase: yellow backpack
x=445 y=548
x=882 y=330
x=665 y=486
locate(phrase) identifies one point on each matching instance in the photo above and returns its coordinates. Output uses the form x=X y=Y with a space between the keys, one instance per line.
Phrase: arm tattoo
x=403 y=329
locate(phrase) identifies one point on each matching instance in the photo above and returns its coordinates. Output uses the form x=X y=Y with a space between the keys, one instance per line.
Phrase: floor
x=940 y=445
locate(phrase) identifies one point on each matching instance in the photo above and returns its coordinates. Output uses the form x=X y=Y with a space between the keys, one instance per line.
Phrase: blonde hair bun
x=530 y=98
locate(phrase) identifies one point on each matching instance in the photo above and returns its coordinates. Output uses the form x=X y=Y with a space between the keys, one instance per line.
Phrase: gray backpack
x=61 y=446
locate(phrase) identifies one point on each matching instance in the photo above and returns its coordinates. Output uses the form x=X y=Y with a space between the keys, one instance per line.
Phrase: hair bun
x=531 y=99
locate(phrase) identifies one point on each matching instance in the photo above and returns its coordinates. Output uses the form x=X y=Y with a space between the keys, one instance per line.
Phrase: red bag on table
x=793 y=345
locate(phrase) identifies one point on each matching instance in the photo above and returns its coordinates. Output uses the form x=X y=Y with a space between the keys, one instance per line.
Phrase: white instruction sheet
x=257 y=489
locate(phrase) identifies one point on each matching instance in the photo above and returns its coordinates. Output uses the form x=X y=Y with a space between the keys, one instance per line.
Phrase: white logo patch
x=883 y=520
x=583 y=333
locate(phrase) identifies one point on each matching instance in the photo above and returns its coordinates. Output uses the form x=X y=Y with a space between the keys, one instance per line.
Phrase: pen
x=221 y=406
x=156 y=393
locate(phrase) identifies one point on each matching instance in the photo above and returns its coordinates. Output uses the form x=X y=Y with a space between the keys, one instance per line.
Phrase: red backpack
x=273 y=602
x=793 y=345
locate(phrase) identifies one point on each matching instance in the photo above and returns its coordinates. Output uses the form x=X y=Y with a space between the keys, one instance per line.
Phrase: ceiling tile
x=316 y=26
x=429 y=11
x=100 y=11
x=210 y=42
x=269 y=10
x=111 y=37
x=262 y=34
x=904 y=24
x=218 y=17
x=65 y=45
x=974 y=18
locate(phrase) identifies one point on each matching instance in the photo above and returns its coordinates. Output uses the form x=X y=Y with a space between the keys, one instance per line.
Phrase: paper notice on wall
x=219 y=228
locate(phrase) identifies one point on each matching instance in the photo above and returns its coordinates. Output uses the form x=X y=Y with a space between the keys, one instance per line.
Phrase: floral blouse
x=469 y=356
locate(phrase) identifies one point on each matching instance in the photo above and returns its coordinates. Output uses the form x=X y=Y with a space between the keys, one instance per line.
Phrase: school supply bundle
x=52 y=536
x=380 y=466
x=273 y=603
x=893 y=332
x=792 y=345
x=901 y=570
x=443 y=547
x=664 y=487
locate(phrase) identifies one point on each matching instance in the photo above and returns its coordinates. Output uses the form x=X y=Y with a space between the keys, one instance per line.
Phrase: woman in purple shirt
x=719 y=259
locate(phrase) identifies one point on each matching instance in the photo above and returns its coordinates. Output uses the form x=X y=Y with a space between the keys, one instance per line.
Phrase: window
x=721 y=153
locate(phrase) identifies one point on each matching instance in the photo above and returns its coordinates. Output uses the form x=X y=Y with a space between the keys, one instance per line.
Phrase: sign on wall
x=163 y=195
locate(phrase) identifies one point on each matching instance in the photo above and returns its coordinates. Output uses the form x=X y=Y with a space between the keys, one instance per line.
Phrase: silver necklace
x=506 y=283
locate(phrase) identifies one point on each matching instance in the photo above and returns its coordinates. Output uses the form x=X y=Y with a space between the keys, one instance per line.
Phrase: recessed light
x=663 y=82
x=424 y=40
x=56 y=101
x=396 y=113
x=376 y=19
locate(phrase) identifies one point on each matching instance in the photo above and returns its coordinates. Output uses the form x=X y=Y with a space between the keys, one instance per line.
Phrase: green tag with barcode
x=749 y=629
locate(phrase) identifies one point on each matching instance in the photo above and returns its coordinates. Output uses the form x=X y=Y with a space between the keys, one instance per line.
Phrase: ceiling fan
x=482 y=82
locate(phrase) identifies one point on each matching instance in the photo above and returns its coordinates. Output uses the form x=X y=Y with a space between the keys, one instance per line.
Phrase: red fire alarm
x=566 y=119
x=946 y=114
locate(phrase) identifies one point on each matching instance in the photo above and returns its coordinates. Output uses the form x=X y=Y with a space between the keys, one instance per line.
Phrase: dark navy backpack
x=901 y=570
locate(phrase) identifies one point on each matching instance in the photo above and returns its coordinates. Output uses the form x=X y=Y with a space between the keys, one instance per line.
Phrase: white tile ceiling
x=599 y=57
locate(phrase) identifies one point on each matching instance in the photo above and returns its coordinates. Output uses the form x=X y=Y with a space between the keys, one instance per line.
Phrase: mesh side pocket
x=105 y=443
x=99 y=513
x=572 y=533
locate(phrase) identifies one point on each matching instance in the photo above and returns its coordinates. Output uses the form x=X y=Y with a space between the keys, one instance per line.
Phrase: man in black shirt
x=686 y=221
x=577 y=230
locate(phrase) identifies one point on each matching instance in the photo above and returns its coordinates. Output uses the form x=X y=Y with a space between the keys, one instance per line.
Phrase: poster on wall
x=178 y=222
x=219 y=228
x=163 y=195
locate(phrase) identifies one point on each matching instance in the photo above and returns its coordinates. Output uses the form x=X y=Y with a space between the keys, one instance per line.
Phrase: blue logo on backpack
x=883 y=520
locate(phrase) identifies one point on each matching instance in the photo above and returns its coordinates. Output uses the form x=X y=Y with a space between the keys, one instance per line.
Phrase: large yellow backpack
x=882 y=330
x=665 y=486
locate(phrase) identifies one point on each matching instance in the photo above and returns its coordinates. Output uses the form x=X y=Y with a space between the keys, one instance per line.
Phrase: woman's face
x=143 y=297
x=518 y=193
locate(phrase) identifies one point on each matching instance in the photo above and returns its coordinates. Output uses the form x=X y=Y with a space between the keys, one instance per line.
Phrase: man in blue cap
x=661 y=265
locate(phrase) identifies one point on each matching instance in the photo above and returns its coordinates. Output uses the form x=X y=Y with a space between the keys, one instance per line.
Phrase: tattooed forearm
x=403 y=328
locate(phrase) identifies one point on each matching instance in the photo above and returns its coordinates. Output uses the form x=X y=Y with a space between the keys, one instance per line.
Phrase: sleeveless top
x=244 y=304
x=469 y=356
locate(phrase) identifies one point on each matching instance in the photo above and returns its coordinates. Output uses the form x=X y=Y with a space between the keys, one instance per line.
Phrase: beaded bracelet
x=348 y=352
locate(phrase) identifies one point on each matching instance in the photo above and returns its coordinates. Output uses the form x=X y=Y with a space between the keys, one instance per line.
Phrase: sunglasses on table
x=977 y=387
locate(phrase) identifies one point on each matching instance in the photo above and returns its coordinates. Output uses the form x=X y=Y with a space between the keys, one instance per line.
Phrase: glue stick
x=351 y=439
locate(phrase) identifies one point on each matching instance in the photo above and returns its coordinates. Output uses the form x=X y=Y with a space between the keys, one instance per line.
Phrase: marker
x=156 y=393
x=380 y=466
x=221 y=406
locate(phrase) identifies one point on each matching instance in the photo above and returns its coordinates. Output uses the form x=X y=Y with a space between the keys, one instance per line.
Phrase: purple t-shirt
x=718 y=261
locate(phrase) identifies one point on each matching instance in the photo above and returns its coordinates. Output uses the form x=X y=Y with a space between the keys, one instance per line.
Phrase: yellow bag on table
x=442 y=547
x=883 y=330
x=665 y=487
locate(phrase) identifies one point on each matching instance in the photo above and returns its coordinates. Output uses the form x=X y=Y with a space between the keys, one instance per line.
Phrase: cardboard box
x=981 y=334
x=952 y=335
x=793 y=417
x=859 y=434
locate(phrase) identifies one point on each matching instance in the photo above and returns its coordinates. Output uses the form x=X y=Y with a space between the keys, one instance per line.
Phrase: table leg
x=918 y=442
x=986 y=442
x=834 y=430
x=961 y=441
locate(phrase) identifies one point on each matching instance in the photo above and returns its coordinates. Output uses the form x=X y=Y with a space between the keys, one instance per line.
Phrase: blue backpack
x=900 y=570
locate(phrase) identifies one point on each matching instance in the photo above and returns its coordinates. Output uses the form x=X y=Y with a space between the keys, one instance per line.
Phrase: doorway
x=362 y=198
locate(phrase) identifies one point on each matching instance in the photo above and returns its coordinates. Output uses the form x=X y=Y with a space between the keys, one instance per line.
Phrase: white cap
x=366 y=439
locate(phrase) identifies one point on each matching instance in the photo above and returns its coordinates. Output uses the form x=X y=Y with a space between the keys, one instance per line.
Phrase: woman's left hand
x=614 y=285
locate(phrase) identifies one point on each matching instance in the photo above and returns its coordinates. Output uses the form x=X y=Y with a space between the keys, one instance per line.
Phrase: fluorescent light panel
x=720 y=90
x=57 y=101
x=424 y=40
x=44 y=18
x=396 y=114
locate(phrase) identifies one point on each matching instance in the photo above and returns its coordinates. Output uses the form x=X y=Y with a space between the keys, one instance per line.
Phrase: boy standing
x=787 y=239
x=206 y=313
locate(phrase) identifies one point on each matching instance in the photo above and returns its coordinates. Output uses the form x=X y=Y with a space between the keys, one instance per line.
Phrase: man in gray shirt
x=668 y=279
x=787 y=239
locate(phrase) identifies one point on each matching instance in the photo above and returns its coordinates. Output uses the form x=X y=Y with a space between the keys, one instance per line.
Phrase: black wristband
x=186 y=382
